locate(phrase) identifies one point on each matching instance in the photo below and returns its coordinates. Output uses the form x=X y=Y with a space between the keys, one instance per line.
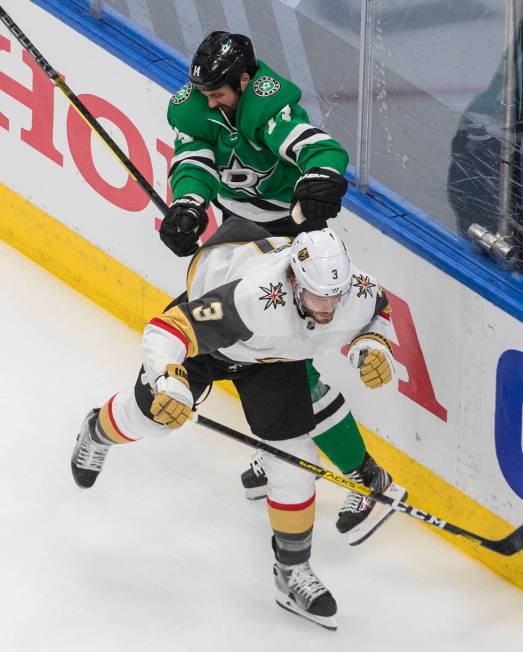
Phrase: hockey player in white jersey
x=254 y=313
x=244 y=143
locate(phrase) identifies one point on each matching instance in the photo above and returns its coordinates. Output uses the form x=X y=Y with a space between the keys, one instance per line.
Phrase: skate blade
x=379 y=514
x=328 y=622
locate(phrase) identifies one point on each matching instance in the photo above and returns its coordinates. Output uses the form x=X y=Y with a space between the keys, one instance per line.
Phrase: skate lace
x=256 y=464
x=91 y=456
x=354 y=502
x=304 y=582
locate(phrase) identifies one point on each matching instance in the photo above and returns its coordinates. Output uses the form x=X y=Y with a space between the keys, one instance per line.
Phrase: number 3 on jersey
x=212 y=312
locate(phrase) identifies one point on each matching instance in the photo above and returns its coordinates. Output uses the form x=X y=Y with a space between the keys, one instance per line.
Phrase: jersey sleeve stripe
x=201 y=153
x=176 y=319
x=204 y=163
x=299 y=133
x=311 y=140
x=171 y=329
x=286 y=147
x=204 y=153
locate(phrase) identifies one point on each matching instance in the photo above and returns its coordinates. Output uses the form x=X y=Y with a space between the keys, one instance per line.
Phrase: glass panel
x=437 y=97
x=304 y=41
x=96 y=7
x=438 y=82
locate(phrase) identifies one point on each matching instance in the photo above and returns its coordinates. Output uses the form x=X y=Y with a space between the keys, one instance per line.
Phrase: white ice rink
x=164 y=554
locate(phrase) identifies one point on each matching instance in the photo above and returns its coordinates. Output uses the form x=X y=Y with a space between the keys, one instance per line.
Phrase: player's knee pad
x=286 y=483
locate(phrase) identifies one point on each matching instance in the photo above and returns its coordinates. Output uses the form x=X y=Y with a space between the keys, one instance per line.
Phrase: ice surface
x=164 y=553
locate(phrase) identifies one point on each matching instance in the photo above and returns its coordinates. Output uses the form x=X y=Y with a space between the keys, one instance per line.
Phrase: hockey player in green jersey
x=244 y=144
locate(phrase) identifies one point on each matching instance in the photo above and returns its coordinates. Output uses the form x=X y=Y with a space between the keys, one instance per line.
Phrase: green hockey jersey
x=248 y=167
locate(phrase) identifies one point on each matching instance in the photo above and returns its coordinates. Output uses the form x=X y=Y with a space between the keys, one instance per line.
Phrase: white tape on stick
x=297 y=214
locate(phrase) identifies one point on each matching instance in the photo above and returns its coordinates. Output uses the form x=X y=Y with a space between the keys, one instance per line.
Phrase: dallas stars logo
x=273 y=296
x=183 y=94
x=364 y=285
x=265 y=86
x=239 y=177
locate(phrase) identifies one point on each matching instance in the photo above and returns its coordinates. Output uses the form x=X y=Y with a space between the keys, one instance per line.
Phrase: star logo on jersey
x=273 y=296
x=265 y=86
x=241 y=178
x=363 y=284
x=182 y=95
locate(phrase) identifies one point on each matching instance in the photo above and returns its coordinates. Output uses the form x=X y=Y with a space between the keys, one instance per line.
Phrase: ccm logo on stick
x=399 y=506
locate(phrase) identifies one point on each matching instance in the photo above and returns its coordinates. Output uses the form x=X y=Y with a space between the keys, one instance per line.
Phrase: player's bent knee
x=287 y=483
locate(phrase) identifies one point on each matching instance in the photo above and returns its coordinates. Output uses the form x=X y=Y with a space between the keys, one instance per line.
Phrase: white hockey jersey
x=240 y=309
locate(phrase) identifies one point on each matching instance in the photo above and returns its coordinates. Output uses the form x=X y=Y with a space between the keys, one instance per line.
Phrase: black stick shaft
x=83 y=110
x=507 y=546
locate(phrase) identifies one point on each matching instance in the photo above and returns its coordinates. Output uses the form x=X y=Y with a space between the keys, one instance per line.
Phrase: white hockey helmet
x=322 y=268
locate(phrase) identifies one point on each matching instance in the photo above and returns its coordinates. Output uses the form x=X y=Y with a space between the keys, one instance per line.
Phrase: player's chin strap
x=509 y=545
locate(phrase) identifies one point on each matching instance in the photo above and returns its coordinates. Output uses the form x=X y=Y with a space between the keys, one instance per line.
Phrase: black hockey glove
x=319 y=192
x=183 y=224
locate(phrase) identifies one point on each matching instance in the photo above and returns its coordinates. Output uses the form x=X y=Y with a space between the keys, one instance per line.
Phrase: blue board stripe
x=380 y=206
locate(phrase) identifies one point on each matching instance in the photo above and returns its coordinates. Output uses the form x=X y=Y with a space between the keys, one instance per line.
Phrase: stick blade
x=510 y=545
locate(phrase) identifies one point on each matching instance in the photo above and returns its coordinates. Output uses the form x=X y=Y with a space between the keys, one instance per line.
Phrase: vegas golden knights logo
x=303 y=254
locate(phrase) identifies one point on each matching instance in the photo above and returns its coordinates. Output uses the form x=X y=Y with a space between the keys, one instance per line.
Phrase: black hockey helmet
x=220 y=59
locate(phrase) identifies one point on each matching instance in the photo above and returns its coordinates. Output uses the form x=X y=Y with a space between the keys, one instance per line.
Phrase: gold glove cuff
x=372 y=336
x=179 y=372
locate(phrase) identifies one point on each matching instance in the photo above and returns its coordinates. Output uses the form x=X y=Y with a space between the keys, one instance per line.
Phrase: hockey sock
x=312 y=374
x=292 y=527
x=98 y=435
x=107 y=432
x=342 y=442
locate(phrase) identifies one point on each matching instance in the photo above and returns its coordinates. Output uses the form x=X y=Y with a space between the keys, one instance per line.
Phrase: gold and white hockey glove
x=173 y=402
x=372 y=355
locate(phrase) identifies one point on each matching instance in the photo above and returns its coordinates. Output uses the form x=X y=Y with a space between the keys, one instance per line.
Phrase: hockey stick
x=83 y=111
x=509 y=545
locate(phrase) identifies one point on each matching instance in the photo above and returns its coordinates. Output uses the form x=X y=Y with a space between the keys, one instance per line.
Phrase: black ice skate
x=300 y=591
x=88 y=456
x=254 y=480
x=360 y=516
